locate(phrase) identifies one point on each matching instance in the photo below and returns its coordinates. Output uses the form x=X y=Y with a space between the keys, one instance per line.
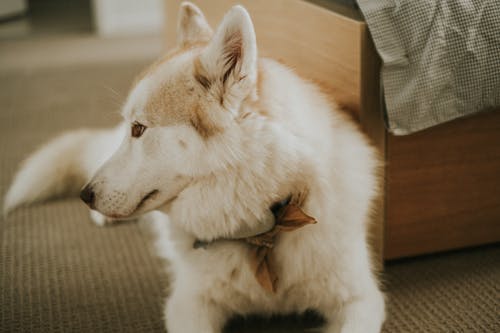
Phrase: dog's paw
x=101 y=220
x=104 y=221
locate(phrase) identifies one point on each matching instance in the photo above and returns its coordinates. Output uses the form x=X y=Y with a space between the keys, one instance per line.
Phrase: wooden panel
x=318 y=43
x=372 y=121
x=443 y=188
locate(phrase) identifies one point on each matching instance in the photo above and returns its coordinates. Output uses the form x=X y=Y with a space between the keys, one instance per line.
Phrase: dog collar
x=275 y=208
x=288 y=216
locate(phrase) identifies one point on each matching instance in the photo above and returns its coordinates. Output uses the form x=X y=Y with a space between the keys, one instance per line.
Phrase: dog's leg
x=365 y=314
x=361 y=315
x=99 y=219
x=104 y=221
x=187 y=312
x=363 y=309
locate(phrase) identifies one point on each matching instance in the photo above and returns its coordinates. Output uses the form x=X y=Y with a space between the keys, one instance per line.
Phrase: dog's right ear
x=192 y=27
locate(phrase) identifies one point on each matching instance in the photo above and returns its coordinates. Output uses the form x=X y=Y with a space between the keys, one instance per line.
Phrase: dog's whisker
x=113 y=91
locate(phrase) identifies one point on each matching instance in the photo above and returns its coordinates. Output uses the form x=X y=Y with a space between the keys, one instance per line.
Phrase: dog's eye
x=137 y=129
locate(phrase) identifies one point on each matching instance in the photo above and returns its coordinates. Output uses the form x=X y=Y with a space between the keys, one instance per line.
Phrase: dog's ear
x=230 y=60
x=192 y=27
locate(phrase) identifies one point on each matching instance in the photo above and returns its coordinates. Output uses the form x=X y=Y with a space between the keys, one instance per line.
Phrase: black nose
x=88 y=196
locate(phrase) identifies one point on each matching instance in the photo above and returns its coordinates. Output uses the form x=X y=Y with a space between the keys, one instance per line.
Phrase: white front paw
x=101 y=220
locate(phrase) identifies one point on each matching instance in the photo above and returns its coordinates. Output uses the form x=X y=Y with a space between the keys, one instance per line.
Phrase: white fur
x=61 y=166
x=223 y=186
x=195 y=27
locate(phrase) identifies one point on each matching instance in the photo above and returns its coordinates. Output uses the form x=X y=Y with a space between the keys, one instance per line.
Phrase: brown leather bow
x=288 y=218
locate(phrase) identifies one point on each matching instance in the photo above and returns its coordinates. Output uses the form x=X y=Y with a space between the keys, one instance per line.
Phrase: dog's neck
x=274 y=209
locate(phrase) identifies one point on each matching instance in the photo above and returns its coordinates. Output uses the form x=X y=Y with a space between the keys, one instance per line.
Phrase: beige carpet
x=60 y=273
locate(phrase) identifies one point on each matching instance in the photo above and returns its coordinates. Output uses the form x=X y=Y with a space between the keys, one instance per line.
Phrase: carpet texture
x=61 y=273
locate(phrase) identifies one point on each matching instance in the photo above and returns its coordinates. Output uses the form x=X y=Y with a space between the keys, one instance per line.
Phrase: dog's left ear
x=230 y=59
x=192 y=27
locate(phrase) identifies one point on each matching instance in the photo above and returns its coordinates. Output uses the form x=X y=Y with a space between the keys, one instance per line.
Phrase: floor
x=60 y=273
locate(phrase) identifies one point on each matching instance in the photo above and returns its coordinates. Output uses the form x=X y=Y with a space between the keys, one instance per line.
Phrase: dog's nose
x=87 y=195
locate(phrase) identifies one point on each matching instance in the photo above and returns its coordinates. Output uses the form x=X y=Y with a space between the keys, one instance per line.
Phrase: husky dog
x=213 y=136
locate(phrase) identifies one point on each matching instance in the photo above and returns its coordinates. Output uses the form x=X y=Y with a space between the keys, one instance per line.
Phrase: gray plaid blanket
x=441 y=58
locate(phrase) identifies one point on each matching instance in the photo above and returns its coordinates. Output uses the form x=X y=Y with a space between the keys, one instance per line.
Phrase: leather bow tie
x=288 y=217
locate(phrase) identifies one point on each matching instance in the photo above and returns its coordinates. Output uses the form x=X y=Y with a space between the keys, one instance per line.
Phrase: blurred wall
x=11 y=7
x=128 y=17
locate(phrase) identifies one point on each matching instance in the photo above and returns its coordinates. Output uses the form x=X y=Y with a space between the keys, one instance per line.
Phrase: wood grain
x=443 y=188
x=372 y=120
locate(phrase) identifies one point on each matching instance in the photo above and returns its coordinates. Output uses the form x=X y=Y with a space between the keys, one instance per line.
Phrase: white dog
x=213 y=137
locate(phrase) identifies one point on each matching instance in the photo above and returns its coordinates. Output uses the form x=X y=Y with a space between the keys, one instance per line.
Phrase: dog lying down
x=267 y=186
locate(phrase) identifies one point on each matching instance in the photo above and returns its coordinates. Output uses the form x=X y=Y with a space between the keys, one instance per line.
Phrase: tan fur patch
x=261 y=77
x=159 y=109
x=257 y=108
x=186 y=23
x=202 y=124
x=235 y=273
x=255 y=105
x=172 y=103
x=186 y=18
x=201 y=75
x=176 y=101
x=170 y=55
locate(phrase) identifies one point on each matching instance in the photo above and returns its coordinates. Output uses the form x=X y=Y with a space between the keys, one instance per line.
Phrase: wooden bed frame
x=441 y=187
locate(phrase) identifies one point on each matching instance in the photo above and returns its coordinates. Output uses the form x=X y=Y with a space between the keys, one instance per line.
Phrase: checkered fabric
x=441 y=58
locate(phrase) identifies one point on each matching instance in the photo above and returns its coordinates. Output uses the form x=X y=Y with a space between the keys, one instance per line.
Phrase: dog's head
x=178 y=113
